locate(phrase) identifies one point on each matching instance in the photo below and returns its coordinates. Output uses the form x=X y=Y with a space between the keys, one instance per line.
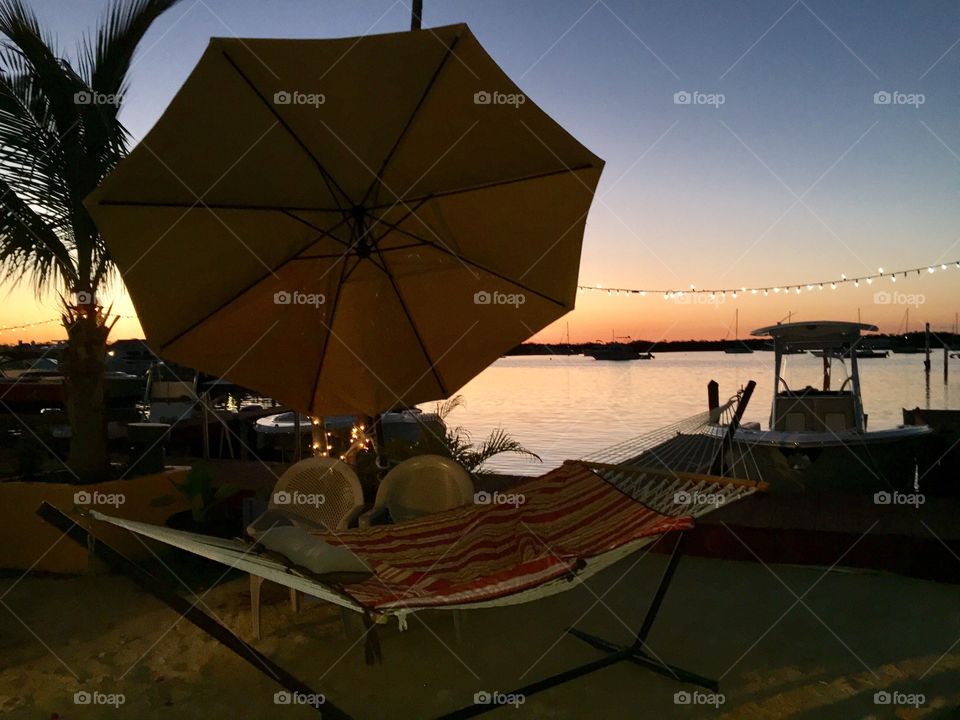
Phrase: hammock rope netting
x=700 y=444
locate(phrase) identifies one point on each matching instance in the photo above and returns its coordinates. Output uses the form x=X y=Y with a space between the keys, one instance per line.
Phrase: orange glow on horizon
x=929 y=298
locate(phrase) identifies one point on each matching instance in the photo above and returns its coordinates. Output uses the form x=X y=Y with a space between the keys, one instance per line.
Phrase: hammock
x=568 y=524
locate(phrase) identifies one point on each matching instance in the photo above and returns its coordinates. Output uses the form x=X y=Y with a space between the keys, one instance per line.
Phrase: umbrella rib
x=216 y=206
x=416 y=333
x=416 y=111
x=482 y=268
x=326 y=340
x=488 y=185
x=320 y=229
x=328 y=179
x=403 y=247
x=246 y=289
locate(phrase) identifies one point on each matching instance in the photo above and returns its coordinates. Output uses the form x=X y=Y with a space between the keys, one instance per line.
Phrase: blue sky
x=798 y=175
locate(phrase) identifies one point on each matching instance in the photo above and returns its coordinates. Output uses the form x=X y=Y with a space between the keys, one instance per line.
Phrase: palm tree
x=59 y=136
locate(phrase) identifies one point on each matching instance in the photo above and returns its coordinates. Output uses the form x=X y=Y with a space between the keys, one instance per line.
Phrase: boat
x=818 y=436
x=861 y=353
x=617 y=352
x=407 y=426
x=738 y=348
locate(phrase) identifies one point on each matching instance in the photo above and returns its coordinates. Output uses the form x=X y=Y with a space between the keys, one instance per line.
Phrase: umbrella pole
x=416 y=19
x=297 y=452
x=380 y=444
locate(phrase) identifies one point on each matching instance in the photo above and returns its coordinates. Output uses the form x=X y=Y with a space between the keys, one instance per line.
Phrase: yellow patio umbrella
x=348 y=225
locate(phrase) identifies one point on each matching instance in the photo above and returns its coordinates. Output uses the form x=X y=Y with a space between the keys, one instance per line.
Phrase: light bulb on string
x=869 y=281
x=833 y=286
x=893 y=278
x=930 y=269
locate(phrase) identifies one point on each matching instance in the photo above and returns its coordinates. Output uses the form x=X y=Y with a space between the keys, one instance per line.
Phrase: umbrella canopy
x=348 y=225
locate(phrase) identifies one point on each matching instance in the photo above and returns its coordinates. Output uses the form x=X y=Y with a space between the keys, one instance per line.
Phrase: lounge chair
x=314 y=494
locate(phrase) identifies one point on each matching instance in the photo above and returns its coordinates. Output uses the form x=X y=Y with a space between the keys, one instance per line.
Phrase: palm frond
x=498 y=442
x=106 y=58
x=30 y=246
x=58 y=84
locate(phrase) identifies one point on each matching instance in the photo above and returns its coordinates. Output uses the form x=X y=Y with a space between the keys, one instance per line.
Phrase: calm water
x=568 y=407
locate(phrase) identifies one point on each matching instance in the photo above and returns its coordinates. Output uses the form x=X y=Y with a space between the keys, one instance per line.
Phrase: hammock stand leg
x=634 y=653
x=189 y=611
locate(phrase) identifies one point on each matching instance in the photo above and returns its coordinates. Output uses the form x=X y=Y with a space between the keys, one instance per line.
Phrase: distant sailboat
x=738 y=348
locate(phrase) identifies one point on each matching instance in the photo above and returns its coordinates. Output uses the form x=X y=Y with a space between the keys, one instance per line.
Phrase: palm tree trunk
x=83 y=363
x=416 y=21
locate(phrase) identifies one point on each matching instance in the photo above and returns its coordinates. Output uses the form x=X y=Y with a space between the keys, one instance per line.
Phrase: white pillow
x=309 y=551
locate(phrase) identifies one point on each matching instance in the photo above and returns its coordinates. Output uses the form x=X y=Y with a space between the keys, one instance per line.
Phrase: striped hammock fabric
x=540 y=531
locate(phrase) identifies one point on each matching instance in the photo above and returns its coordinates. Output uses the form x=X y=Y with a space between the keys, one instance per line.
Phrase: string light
x=734 y=292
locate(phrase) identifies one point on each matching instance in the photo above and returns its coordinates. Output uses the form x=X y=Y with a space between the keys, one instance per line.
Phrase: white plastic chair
x=314 y=493
x=420 y=486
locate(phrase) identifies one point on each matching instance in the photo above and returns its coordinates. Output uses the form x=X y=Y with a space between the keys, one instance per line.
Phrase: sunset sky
x=798 y=176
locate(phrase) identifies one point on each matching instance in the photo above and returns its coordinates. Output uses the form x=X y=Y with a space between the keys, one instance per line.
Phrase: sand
x=863 y=632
